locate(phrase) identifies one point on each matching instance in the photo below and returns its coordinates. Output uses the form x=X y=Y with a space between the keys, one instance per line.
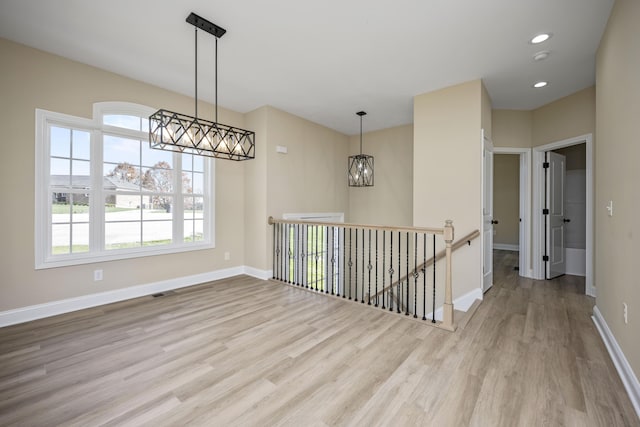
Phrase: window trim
x=42 y=226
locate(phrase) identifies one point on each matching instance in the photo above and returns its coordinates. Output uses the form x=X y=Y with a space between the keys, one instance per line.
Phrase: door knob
x=494 y=221
x=566 y=220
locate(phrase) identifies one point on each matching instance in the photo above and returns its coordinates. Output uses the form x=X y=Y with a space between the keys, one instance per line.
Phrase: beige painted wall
x=447 y=171
x=33 y=79
x=390 y=200
x=617 y=176
x=506 y=198
x=571 y=116
x=512 y=128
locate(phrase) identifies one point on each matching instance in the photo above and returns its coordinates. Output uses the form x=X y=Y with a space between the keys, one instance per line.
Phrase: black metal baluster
x=424 y=278
x=433 y=316
x=333 y=258
x=376 y=272
x=369 y=267
x=305 y=254
x=356 y=276
x=344 y=263
x=391 y=272
x=407 y=287
x=415 y=275
x=325 y=256
x=273 y=255
x=384 y=271
x=279 y=251
x=350 y=263
x=286 y=252
x=315 y=284
x=297 y=231
x=398 y=293
x=362 y=281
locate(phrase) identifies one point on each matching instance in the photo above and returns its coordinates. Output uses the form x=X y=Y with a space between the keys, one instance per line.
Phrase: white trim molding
x=524 y=235
x=462 y=303
x=506 y=247
x=40 y=311
x=538 y=203
x=627 y=376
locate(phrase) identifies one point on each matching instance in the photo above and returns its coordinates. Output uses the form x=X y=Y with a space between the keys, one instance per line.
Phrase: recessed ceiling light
x=540 y=38
x=540 y=84
x=540 y=56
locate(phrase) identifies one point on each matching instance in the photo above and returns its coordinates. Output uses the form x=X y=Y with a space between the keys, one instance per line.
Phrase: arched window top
x=124 y=115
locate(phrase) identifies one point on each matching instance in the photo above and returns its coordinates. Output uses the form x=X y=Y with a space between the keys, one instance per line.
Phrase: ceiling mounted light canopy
x=193 y=135
x=361 y=165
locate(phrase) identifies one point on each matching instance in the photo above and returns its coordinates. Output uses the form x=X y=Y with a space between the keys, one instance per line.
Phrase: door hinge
x=545 y=165
x=545 y=211
x=545 y=258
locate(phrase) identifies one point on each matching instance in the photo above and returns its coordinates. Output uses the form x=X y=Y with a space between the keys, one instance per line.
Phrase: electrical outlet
x=610 y=208
x=227 y=256
x=625 y=313
x=97 y=275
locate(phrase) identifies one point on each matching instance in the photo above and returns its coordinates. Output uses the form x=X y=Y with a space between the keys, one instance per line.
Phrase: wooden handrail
x=459 y=243
x=428 y=230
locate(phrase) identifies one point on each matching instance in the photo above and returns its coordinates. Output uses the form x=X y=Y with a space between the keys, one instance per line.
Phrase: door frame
x=524 y=264
x=539 y=200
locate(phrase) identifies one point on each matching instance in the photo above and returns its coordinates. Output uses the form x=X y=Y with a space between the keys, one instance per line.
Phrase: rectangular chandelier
x=361 y=170
x=179 y=132
x=173 y=131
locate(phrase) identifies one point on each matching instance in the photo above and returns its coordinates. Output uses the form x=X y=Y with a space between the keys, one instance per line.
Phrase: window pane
x=122 y=121
x=60 y=238
x=158 y=180
x=198 y=163
x=120 y=150
x=187 y=162
x=197 y=184
x=80 y=208
x=80 y=238
x=157 y=232
x=156 y=158
x=81 y=148
x=60 y=208
x=60 y=168
x=121 y=177
x=122 y=235
x=122 y=207
x=60 y=142
x=80 y=174
x=158 y=208
x=193 y=230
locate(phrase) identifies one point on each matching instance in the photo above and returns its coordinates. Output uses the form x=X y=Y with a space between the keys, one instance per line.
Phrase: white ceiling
x=325 y=60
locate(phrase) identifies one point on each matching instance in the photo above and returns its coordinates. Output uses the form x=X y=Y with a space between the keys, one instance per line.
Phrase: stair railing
x=390 y=268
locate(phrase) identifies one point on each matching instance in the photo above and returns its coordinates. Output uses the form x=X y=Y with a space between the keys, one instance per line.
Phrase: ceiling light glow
x=540 y=38
x=540 y=84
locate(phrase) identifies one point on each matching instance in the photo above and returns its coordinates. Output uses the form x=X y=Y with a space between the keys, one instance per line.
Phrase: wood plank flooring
x=246 y=352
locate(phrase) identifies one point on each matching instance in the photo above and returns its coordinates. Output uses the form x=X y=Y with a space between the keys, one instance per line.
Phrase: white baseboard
x=258 y=274
x=461 y=303
x=39 y=311
x=506 y=247
x=627 y=376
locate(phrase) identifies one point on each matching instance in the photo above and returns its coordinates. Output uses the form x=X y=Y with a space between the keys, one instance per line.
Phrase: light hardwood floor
x=246 y=352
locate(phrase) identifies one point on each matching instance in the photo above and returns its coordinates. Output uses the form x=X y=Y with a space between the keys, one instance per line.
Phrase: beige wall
x=512 y=128
x=506 y=198
x=390 y=200
x=33 y=79
x=447 y=170
x=617 y=176
x=571 y=116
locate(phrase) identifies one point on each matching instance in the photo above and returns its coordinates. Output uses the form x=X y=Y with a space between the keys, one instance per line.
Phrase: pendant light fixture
x=193 y=135
x=361 y=165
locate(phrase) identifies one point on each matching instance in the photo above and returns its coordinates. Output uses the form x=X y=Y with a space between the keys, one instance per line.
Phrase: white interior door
x=487 y=213
x=555 y=233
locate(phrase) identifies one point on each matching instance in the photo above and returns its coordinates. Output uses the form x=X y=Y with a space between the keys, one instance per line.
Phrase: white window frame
x=43 y=257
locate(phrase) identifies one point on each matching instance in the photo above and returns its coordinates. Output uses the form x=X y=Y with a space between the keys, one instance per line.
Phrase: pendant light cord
x=216 y=85
x=360 y=135
x=196 y=37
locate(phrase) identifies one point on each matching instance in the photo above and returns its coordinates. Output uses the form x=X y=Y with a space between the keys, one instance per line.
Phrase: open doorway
x=511 y=201
x=564 y=245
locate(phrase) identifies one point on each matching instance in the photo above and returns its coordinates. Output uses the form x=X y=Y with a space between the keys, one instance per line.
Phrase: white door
x=487 y=213
x=556 y=173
